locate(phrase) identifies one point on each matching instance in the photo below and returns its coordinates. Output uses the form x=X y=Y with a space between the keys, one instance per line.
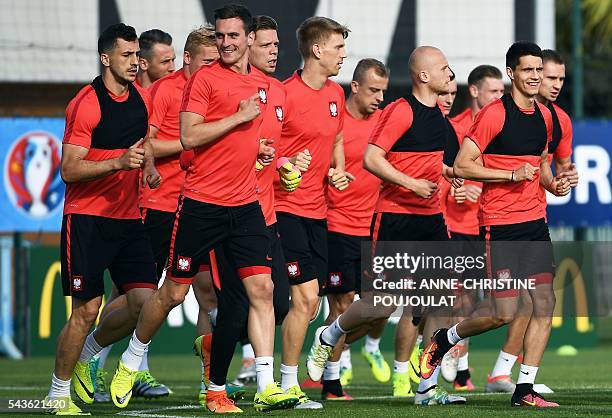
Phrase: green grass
x=582 y=384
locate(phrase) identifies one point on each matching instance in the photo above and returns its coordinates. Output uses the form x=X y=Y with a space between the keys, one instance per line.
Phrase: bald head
x=428 y=66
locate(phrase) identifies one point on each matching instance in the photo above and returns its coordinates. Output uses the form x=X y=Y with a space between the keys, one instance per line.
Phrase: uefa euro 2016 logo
x=32 y=174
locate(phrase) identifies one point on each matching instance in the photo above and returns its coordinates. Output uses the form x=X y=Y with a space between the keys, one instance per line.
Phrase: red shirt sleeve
x=161 y=98
x=564 y=149
x=489 y=122
x=196 y=95
x=394 y=121
x=82 y=117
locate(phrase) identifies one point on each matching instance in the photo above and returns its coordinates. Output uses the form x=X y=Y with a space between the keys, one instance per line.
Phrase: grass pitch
x=582 y=385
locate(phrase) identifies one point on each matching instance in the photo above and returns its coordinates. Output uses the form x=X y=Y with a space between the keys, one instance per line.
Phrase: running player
x=559 y=151
x=512 y=171
x=405 y=151
x=220 y=119
x=461 y=208
x=312 y=124
x=156 y=58
x=350 y=214
x=104 y=149
x=159 y=206
x=232 y=313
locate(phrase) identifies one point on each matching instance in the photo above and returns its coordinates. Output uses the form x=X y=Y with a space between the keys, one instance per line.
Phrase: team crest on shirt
x=263 y=97
x=183 y=263
x=279 y=113
x=333 y=109
x=293 y=269
x=77 y=283
x=503 y=275
x=335 y=279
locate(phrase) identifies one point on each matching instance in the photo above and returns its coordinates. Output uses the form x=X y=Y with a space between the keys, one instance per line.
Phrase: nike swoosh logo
x=529 y=403
x=89 y=393
x=268 y=258
x=525 y=373
x=122 y=399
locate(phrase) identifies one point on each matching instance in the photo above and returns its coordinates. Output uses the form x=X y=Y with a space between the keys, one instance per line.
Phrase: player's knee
x=85 y=316
x=263 y=291
x=172 y=295
x=544 y=305
x=345 y=301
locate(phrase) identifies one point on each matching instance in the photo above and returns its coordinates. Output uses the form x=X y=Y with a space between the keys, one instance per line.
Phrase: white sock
x=264 y=366
x=216 y=388
x=247 y=351
x=103 y=355
x=345 y=358
x=332 y=370
x=452 y=335
x=144 y=364
x=289 y=376
x=332 y=333
x=527 y=374
x=132 y=356
x=212 y=317
x=419 y=340
x=463 y=362
x=59 y=388
x=90 y=348
x=372 y=344
x=400 y=366
x=503 y=365
x=425 y=384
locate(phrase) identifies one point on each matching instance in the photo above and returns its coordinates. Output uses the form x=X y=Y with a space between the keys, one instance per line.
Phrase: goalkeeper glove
x=290 y=176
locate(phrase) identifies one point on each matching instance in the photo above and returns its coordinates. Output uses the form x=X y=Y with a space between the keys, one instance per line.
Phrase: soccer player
x=232 y=313
x=507 y=149
x=559 y=152
x=220 y=118
x=313 y=125
x=159 y=206
x=349 y=216
x=103 y=151
x=461 y=208
x=405 y=151
x=156 y=58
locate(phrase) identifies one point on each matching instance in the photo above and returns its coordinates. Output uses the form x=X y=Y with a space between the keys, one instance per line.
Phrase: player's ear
x=143 y=63
x=105 y=59
x=250 y=38
x=186 y=57
x=316 y=50
x=354 y=87
x=510 y=73
x=424 y=76
x=473 y=91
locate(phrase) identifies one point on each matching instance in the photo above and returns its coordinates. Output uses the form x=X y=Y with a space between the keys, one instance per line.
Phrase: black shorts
x=92 y=244
x=407 y=227
x=231 y=293
x=460 y=237
x=304 y=242
x=199 y=227
x=344 y=268
x=519 y=251
x=158 y=225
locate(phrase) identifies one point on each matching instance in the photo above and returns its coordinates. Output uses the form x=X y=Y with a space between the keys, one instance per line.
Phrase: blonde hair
x=317 y=29
x=202 y=36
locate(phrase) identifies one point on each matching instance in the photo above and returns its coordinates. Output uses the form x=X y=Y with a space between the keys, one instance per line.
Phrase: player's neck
x=186 y=71
x=143 y=79
x=475 y=109
x=542 y=100
x=313 y=76
x=424 y=95
x=523 y=101
x=241 y=66
x=112 y=84
x=353 y=109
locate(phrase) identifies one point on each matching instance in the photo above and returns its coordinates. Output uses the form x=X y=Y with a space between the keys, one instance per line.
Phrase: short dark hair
x=149 y=38
x=521 y=49
x=316 y=29
x=366 y=64
x=263 y=22
x=235 y=10
x=108 y=38
x=552 y=55
x=478 y=74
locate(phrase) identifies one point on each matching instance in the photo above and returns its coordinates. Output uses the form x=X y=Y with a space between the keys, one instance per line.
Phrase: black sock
x=332 y=386
x=521 y=390
x=462 y=377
